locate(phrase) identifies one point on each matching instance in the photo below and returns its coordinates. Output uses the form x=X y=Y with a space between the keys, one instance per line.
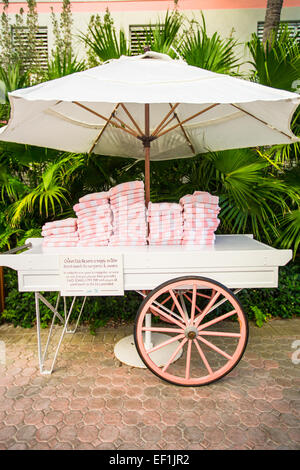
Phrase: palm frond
x=208 y=52
x=63 y=64
x=290 y=231
x=102 y=38
x=278 y=64
x=163 y=36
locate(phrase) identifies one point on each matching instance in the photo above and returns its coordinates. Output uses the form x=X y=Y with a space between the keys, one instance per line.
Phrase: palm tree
x=272 y=18
x=278 y=66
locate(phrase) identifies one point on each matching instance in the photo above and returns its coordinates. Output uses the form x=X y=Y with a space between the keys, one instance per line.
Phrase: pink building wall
x=148 y=5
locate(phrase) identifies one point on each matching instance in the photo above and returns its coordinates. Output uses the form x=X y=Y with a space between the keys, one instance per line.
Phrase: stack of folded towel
x=200 y=218
x=94 y=219
x=127 y=202
x=60 y=233
x=165 y=223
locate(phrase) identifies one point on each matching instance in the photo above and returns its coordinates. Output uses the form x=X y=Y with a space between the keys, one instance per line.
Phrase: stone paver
x=91 y=402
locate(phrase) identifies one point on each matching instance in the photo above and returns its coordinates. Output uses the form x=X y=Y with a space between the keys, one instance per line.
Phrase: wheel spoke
x=191 y=301
x=173 y=304
x=200 y=295
x=194 y=299
x=196 y=342
x=201 y=353
x=167 y=316
x=167 y=310
x=166 y=300
x=220 y=333
x=186 y=315
x=207 y=308
x=221 y=302
x=188 y=360
x=216 y=320
x=162 y=330
x=165 y=343
x=180 y=346
x=179 y=308
x=215 y=348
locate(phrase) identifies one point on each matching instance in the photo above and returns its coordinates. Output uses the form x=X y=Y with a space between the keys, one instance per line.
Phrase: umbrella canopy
x=122 y=107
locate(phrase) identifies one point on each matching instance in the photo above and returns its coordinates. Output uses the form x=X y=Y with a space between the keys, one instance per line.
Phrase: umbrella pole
x=147 y=154
x=147 y=175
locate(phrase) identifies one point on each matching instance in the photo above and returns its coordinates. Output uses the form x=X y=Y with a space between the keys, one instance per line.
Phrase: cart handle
x=17 y=248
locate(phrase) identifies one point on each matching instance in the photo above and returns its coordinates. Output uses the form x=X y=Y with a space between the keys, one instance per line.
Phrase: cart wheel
x=208 y=323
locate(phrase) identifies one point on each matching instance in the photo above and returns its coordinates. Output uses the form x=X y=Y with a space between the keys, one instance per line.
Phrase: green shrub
x=259 y=304
x=20 y=306
x=283 y=302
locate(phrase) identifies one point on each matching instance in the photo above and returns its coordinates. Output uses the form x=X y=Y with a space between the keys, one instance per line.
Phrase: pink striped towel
x=128 y=207
x=165 y=242
x=70 y=222
x=127 y=202
x=61 y=238
x=98 y=211
x=94 y=236
x=95 y=197
x=58 y=231
x=201 y=223
x=135 y=192
x=91 y=204
x=201 y=197
x=160 y=207
x=199 y=211
x=132 y=185
x=96 y=231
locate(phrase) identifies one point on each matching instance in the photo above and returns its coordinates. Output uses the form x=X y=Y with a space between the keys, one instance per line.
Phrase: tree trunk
x=272 y=18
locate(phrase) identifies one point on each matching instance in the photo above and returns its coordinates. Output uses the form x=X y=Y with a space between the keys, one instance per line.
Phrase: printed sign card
x=91 y=275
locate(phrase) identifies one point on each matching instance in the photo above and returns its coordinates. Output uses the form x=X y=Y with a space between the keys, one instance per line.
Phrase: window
x=138 y=36
x=293 y=26
x=42 y=43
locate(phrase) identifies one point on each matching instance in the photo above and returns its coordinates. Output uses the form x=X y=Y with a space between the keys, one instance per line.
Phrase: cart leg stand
x=126 y=352
x=42 y=356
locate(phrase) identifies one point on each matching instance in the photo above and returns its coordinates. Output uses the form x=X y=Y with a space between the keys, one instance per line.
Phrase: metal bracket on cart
x=63 y=319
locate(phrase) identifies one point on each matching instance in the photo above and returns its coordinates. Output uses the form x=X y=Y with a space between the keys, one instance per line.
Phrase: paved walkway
x=91 y=402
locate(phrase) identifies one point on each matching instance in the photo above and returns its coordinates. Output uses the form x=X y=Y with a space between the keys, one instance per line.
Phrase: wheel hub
x=191 y=332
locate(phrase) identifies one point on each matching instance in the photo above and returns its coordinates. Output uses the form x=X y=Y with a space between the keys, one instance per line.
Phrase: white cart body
x=236 y=261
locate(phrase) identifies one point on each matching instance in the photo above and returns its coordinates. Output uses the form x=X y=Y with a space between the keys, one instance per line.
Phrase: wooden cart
x=200 y=331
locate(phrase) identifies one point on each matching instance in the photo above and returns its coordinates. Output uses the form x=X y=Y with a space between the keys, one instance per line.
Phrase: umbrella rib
x=188 y=119
x=106 y=119
x=184 y=132
x=261 y=120
x=126 y=125
x=103 y=129
x=166 y=124
x=158 y=128
x=132 y=119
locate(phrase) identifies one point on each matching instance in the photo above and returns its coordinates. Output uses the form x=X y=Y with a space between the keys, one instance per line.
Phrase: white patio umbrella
x=127 y=105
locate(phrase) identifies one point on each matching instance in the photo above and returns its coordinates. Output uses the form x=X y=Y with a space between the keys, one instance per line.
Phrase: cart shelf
x=237 y=261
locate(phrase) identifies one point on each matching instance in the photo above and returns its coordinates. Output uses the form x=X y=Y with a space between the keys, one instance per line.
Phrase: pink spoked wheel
x=205 y=323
